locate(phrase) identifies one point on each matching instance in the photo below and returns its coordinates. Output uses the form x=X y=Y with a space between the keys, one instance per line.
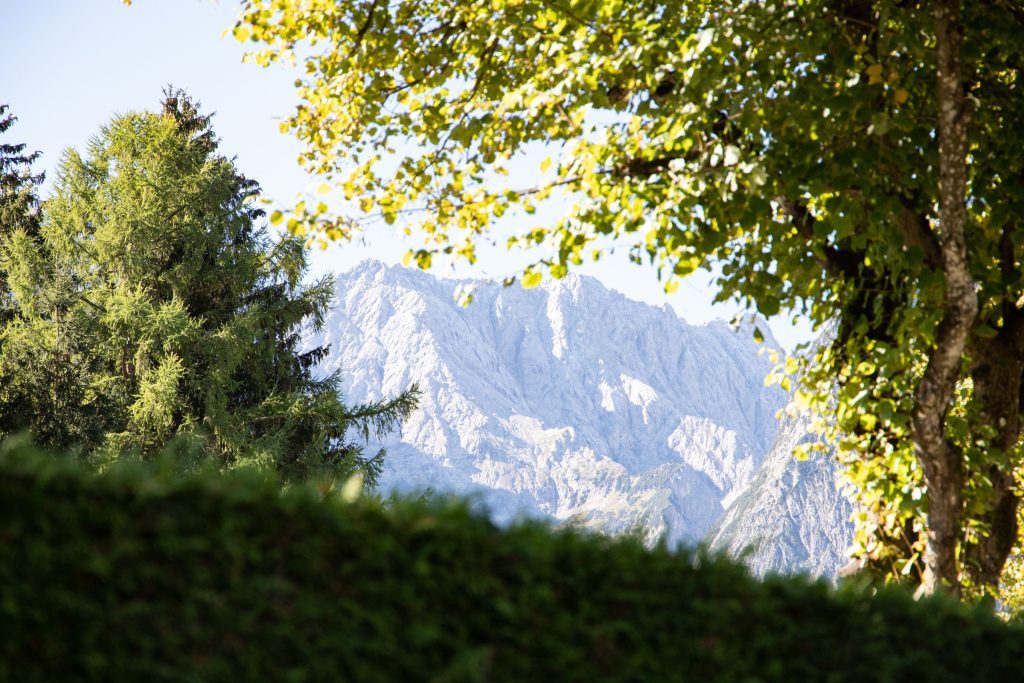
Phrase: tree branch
x=918 y=233
x=361 y=33
x=838 y=263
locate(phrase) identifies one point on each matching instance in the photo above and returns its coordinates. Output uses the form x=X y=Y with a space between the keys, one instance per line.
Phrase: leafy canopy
x=793 y=142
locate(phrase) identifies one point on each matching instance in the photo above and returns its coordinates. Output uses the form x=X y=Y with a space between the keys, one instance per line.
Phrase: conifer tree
x=155 y=306
x=19 y=202
x=20 y=213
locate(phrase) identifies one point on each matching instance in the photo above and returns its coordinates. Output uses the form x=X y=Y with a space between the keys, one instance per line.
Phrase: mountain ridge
x=568 y=401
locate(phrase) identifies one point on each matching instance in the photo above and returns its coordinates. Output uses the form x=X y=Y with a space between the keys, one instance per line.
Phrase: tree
x=844 y=159
x=19 y=210
x=154 y=307
x=19 y=201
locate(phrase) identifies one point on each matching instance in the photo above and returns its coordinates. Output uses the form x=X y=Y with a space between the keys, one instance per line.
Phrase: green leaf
x=986 y=331
x=531 y=279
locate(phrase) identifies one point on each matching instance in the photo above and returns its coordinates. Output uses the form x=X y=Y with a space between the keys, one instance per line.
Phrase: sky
x=70 y=65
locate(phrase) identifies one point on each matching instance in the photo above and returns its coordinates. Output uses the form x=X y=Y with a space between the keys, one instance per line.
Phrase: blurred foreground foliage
x=144 y=574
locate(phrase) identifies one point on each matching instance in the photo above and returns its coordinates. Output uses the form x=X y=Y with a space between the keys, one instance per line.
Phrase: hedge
x=133 y=576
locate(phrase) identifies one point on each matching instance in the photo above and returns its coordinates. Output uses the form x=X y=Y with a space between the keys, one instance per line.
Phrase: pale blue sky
x=69 y=65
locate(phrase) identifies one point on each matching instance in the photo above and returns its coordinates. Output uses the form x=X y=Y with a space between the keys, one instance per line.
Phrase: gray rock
x=568 y=401
x=572 y=402
x=793 y=517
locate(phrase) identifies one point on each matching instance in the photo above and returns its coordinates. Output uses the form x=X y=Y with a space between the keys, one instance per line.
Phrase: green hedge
x=140 y=577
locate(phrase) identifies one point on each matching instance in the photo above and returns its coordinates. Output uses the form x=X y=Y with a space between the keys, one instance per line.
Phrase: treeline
x=145 y=307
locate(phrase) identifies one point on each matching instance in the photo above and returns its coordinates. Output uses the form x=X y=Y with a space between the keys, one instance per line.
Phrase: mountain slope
x=568 y=400
x=793 y=516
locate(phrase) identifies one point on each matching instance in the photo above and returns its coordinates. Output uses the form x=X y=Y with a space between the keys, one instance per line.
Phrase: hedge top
x=138 y=574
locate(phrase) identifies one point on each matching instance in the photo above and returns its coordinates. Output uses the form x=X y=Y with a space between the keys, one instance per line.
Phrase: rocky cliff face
x=793 y=517
x=567 y=401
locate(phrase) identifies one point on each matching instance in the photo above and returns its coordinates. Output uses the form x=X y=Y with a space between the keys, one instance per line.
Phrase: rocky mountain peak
x=568 y=400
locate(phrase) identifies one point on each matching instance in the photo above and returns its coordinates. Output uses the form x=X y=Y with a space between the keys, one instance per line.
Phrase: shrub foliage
x=130 y=575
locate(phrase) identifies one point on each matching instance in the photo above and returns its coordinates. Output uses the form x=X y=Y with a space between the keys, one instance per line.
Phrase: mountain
x=572 y=402
x=793 y=517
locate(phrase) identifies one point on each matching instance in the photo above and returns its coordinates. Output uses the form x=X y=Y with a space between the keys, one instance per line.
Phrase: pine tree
x=174 y=315
x=19 y=202
x=42 y=365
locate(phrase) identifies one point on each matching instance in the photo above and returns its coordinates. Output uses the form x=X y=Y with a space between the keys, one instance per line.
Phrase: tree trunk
x=941 y=462
x=998 y=365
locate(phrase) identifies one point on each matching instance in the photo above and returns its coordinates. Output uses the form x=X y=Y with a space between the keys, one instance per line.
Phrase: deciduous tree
x=855 y=160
